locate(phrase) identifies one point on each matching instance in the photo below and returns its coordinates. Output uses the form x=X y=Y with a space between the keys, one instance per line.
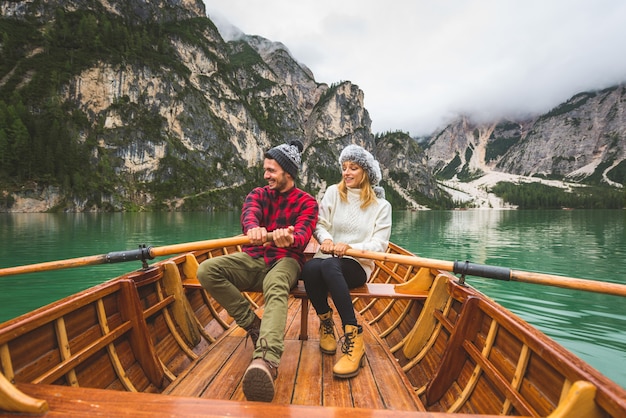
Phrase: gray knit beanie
x=367 y=162
x=288 y=156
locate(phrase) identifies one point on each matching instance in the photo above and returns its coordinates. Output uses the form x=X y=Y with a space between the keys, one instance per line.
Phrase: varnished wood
x=54 y=265
x=454 y=358
x=97 y=402
x=14 y=400
x=139 y=336
x=430 y=344
x=370 y=290
x=302 y=363
x=385 y=257
x=569 y=283
x=181 y=311
x=426 y=323
x=515 y=275
x=153 y=252
x=115 y=359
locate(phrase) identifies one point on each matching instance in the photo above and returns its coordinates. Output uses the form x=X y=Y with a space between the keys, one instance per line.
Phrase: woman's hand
x=340 y=249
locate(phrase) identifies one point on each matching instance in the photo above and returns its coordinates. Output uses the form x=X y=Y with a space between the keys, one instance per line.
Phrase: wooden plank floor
x=305 y=374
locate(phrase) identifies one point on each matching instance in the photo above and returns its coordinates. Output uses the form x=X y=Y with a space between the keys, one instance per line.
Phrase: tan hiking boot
x=353 y=350
x=328 y=342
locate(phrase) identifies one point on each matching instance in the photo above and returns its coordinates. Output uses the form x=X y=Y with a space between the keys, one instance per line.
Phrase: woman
x=352 y=214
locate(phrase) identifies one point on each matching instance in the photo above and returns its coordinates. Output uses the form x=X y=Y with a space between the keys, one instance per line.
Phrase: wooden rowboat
x=154 y=343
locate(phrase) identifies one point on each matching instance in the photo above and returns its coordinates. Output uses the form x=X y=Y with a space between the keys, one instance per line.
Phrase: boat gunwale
x=552 y=353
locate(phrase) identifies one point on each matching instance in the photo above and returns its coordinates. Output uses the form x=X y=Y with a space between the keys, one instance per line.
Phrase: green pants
x=225 y=277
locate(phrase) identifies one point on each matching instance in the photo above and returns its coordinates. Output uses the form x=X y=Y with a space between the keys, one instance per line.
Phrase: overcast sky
x=421 y=62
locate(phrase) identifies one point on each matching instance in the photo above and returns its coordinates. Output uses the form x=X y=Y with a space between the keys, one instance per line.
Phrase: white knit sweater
x=363 y=229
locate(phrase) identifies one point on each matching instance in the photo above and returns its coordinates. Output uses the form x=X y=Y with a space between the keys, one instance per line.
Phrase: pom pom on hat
x=288 y=156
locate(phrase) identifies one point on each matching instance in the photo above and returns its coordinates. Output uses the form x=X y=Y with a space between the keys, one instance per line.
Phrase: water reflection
x=577 y=243
x=580 y=244
x=34 y=238
x=42 y=237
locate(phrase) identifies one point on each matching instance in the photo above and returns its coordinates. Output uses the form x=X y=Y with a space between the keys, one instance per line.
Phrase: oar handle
x=481 y=270
x=142 y=253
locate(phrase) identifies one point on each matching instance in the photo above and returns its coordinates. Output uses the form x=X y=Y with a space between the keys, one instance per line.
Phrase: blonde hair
x=368 y=196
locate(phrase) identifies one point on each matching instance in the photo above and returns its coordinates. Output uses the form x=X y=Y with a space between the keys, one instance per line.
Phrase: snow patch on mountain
x=477 y=192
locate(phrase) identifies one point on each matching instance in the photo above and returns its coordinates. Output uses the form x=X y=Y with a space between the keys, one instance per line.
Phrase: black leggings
x=334 y=275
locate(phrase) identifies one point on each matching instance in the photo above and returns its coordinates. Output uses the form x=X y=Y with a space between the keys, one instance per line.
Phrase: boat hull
x=434 y=347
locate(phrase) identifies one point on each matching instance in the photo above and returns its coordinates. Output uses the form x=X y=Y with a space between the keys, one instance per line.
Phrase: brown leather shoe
x=258 y=381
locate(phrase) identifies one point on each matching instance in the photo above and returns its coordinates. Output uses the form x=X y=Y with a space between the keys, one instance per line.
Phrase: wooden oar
x=492 y=272
x=143 y=253
x=464 y=268
x=201 y=245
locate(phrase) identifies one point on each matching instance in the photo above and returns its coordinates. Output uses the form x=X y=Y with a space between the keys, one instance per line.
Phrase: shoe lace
x=347 y=342
x=328 y=327
x=273 y=366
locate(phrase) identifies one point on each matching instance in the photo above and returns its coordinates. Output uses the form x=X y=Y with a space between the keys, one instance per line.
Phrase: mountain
x=581 y=139
x=580 y=143
x=127 y=105
x=141 y=105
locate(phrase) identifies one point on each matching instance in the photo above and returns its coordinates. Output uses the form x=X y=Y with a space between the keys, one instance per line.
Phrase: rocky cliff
x=167 y=115
x=582 y=140
x=142 y=105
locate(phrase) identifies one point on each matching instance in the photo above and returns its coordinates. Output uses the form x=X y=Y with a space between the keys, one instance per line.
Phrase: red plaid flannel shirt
x=265 y=207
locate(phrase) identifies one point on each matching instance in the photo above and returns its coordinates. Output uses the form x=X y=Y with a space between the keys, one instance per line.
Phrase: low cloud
x=422 y=63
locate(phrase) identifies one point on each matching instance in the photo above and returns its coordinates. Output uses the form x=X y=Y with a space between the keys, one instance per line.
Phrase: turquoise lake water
x=577 y=244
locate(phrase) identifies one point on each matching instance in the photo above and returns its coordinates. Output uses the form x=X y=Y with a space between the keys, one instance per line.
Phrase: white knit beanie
x=367 y=162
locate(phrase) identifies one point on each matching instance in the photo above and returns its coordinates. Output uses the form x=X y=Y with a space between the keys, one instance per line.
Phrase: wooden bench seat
x=369 y=290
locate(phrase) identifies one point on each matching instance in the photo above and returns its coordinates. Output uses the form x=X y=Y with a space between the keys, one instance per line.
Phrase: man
x=290 y=214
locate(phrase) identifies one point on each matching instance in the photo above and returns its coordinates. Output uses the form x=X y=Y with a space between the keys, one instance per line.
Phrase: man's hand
x=283 y=237
x=257 y=236
x=327 y=246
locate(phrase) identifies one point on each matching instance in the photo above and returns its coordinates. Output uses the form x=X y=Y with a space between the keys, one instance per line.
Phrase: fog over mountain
x=421 y=64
